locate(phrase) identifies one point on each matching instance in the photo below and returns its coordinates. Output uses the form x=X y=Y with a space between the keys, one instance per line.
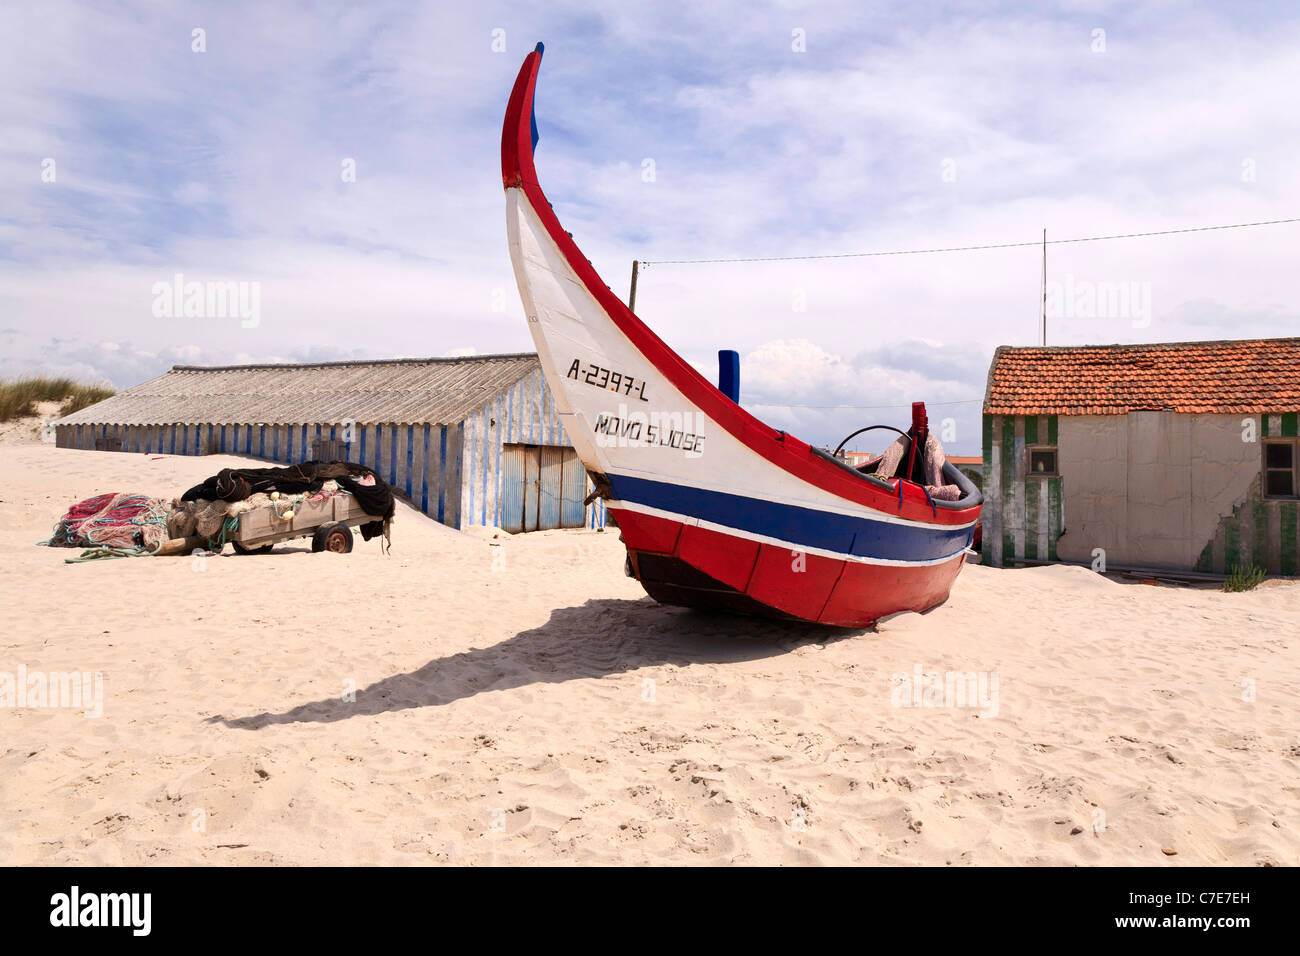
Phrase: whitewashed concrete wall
x=1151 y=487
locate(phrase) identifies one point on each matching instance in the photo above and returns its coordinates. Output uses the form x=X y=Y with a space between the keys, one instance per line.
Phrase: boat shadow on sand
x=603 y=637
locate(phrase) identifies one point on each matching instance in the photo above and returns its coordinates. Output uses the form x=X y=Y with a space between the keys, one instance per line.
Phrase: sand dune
x=518 y=700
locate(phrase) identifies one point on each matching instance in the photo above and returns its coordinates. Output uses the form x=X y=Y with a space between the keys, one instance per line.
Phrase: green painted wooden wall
x=1023 y=515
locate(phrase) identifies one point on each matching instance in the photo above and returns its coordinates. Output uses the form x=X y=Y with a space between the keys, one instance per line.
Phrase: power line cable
x=998 y=245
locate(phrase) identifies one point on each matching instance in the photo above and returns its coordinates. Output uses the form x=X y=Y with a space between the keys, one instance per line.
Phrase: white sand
x=29 y=429
x=502 y=716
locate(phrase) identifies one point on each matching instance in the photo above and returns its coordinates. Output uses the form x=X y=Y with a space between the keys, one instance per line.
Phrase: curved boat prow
x=716 y=508
x=515 y=157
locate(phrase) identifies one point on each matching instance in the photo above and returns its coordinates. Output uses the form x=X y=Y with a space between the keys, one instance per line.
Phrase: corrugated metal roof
x=1220 y=377
x=440 y=391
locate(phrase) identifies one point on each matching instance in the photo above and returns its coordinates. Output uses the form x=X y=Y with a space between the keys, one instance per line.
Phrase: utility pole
x=631 y=296
x=1044 y=288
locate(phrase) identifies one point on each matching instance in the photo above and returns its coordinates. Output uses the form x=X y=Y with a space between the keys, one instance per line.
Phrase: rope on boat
x=933 y=506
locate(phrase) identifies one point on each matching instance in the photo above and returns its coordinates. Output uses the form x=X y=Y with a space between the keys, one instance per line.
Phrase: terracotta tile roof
x=1245 y=377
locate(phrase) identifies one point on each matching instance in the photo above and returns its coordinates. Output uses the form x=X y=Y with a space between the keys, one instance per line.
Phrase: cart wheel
x=240 y=549
x=332 y=537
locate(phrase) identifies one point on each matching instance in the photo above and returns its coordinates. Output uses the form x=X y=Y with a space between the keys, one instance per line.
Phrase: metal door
x=573 y=512
x=512 y=487
x=551 y=487
x=542 y=487
x=532 y=483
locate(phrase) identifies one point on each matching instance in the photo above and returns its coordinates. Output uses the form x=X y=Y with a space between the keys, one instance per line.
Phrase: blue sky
x=895 y=127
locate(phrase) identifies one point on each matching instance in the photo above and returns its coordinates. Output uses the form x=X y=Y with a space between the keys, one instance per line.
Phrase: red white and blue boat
x=717 y=509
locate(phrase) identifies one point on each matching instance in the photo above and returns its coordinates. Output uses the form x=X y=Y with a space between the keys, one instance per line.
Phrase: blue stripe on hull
x=827 y=531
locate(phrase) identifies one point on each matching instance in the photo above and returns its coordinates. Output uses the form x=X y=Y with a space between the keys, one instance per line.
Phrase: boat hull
x=683 y=564
x=716 y=508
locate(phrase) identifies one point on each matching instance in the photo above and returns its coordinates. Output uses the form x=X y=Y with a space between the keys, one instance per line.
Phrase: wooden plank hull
x=716 y=508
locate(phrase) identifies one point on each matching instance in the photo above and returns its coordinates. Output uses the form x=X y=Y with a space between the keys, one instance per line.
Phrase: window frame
x=1029 y=460
x=1264 y=468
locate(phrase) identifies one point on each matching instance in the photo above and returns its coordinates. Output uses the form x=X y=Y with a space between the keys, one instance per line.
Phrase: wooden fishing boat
x=717 y=509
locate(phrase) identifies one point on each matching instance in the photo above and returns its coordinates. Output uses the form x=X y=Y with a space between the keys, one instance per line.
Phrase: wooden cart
x=328 y=521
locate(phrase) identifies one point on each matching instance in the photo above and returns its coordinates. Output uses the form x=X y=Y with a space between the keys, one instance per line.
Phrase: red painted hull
x=696 y=567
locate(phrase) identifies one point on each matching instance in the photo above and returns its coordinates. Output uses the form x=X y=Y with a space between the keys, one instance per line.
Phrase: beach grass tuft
x=19 y=396
x=1243 y=578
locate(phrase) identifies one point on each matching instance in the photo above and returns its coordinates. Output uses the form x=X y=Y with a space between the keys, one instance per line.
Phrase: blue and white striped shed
x=472 y=440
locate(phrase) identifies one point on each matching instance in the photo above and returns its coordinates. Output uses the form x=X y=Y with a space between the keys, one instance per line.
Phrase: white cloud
x=797 y=385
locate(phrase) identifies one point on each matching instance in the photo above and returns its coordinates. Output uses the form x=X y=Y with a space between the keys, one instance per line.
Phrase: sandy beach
x=518 y=700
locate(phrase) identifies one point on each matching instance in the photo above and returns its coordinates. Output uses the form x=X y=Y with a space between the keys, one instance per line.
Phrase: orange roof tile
x=1244 y=377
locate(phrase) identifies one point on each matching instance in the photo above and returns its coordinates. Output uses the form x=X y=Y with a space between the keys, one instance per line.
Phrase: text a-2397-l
x=607 y=379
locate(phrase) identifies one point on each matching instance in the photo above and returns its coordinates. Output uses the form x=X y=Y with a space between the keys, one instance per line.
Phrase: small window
x=1042 y=463
x=1280 y=469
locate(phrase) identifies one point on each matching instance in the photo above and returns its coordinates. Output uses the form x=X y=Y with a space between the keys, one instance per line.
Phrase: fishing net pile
x=214 y=520
x=117 y=524
x=236 y=485
x=113 y=524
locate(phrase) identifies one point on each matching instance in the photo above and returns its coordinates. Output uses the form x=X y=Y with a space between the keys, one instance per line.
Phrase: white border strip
x=764 y=539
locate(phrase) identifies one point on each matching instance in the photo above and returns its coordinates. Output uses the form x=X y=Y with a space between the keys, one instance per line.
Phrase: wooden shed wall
x=423 y=461
x=1022 y=516
x=524 y=414
x=450 y=472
